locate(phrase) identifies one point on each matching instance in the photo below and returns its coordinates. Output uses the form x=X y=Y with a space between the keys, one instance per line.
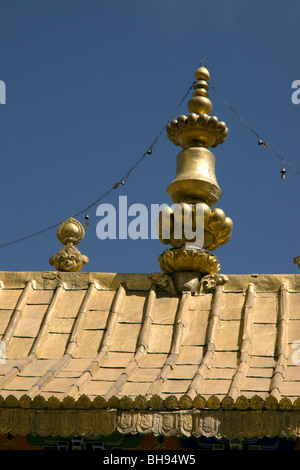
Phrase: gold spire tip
x=200 y=103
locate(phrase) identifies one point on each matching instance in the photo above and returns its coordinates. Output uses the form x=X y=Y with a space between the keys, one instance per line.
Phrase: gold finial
x=69 y=258
x=200 y=103
x=195 y=184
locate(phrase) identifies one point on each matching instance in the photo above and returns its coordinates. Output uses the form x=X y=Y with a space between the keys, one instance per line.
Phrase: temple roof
x=72 y=334
x=141 y=359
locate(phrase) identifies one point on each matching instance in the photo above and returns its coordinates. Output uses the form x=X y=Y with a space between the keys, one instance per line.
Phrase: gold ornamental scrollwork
x=229 y=424
x=251 y=424
x=53 y=403
x=199 y=402
x=39 y=402
x=285 y=404
x=126 y=403
x=107 y=421
x=213 y=403
x=198 y=261
x=169 y=423
x=211 y=281
x=185 y=402
x=99 y=402
x=296 y=404
x=227 y=403
x=44 y=423
x=145 y=422
x=83 y=402
x=242 y=403
x=186 y=129
x=141 y=403
x=256 y=402
x=5 y=421
x=243 y=419
x=217 y=227
x=68 y=402
x=11 y=401
x=66 y=422
x=126 y=422
x=156 y=403
x=271 y=403
x=24 y=422
x=86 y=422
x=163 y=281
x=171 y=402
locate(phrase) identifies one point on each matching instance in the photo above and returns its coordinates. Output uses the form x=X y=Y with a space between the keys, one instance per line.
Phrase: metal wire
x=106 y=193
x=149 y=151
x=260 y=140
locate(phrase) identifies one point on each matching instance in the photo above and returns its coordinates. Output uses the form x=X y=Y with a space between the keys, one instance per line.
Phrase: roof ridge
x=72 y=342
x=141 y=349
x=244 y=349
x=17 y=368
x=94 y=365
x=175 y=346
x=17 y=314
x=281 y=345
x=209 y=356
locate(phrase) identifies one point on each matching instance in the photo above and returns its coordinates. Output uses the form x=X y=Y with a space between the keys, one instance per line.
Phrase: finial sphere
x=199 y=104
x=70 y=231
x=202 y=74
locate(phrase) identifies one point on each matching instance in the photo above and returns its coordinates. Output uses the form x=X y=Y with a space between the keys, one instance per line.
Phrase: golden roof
x=122 y=342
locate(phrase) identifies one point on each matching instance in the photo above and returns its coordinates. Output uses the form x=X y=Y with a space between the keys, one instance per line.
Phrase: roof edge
x=247 y=419
x=137 y=281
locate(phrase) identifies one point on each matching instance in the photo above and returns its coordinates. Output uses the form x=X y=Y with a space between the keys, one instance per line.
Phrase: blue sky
x=90 y=84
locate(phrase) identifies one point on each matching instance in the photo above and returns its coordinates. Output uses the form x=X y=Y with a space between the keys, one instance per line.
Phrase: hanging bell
x=86 y=223
x=283 y=172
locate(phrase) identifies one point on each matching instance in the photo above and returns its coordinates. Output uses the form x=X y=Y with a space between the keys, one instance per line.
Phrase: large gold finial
x=195 y=184
x=69 y=258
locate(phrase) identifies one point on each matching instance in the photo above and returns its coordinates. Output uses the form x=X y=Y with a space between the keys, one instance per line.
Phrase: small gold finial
x=200 y=103
x=70 y=231
x=69 y=258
